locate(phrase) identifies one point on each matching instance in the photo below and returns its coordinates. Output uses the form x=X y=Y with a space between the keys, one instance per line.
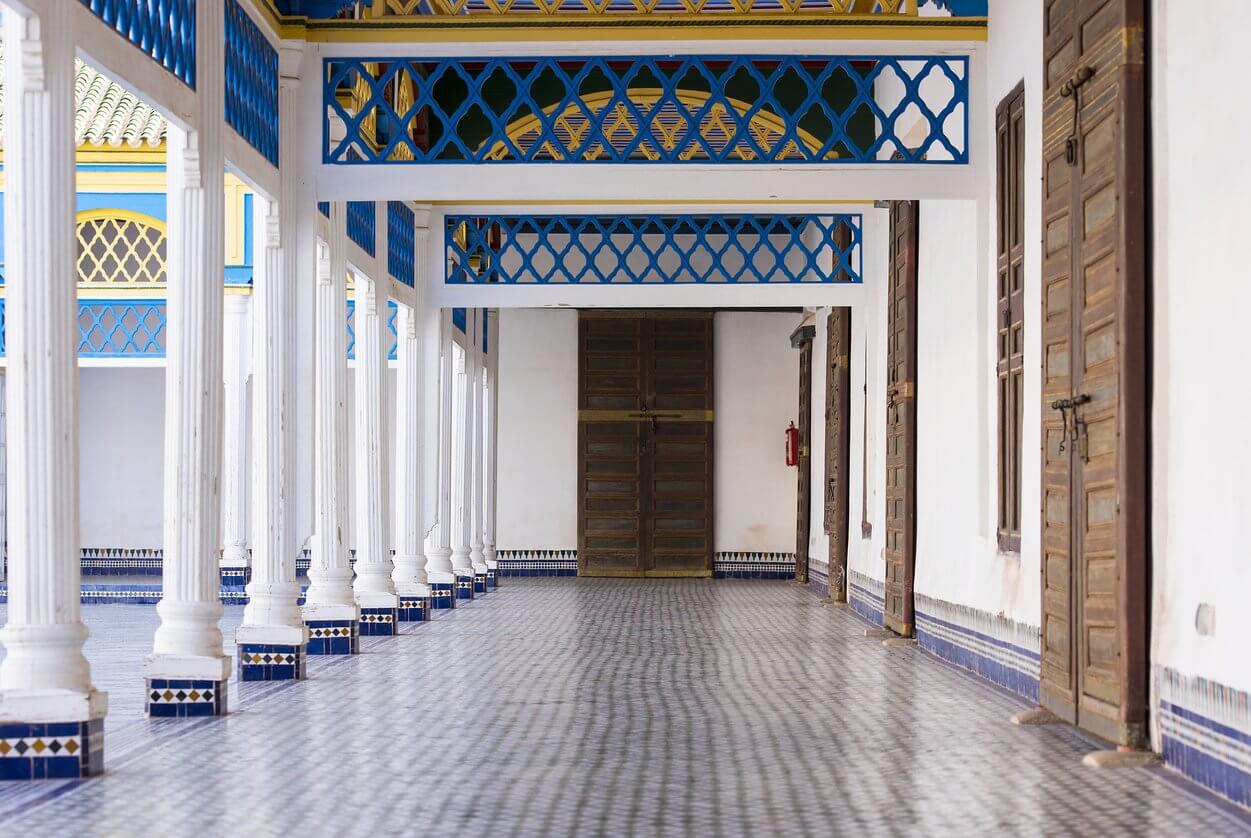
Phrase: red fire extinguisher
x=792 y=445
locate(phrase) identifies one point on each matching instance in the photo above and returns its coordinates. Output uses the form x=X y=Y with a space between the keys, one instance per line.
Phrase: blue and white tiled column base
x=176 y=698
x=378 y=622
x=492 y=578
x=464 y=587
x=48 y=751
x=333 y=637
x=480 y=583
x=414 y=609
x=442 y=595
x=236 y=577
x=270 y=662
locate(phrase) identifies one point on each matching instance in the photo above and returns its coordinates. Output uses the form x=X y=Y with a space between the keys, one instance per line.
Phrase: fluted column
x=188 y=644
x=409 y=574
x=438 y=464
x=491 y=440
x=375 y=592
x=45 y=677
x=474 y=427
x=330 y=609
x=272 y=637
x=462 y=465
x=236 y=363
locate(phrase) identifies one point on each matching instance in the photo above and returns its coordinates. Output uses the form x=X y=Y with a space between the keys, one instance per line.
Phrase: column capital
x=290 y=55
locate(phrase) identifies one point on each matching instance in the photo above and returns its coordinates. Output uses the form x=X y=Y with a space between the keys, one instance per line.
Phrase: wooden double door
x=1094 y=351
x=645 y=444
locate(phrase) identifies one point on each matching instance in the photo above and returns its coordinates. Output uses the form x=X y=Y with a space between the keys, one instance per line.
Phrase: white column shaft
x=44 y=635
x=330 y=593
x=438 y=497
x=188 y=642
x=409 y=574
x=462 y=456
x=474 y=459
x=491 y=440
x=236 y=362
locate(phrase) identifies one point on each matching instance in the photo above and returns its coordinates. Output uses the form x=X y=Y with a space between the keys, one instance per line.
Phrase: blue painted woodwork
x=164 y=30
x=460 y=319
x=693 y=109
x=393 y=347
x=251 y=82
x=362 y=223
x=668 y=249
x=401 y=242
x=121 y=328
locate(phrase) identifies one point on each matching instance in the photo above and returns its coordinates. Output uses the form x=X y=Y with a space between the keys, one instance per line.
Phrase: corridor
x=567 y=706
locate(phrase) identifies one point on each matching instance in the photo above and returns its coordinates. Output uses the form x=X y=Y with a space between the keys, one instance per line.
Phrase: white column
x=188 y=643
x=44 y=676
x=409 y=574
x=272 y=615
x=437 y=462
x=236 y=362
x=491 y=440
x=373 y=586
x=474 y=428
x=330 y=596
x=462 y=457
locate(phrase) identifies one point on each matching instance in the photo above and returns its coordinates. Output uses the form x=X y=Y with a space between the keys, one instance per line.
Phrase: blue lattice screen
x=401 y=242
x=251 y=82
x=164 y=30
x=665 y=249
x=393 y=346
x=362 y=224
x=696 y=109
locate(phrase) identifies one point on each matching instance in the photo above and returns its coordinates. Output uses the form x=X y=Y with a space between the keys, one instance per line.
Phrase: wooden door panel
x=1094 y=352
x=901 y=349
x=803 y=509
x=838 y=447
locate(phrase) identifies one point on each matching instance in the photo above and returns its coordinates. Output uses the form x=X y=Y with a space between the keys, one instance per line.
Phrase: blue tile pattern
x=414 y=609
x=1205 y=732
x=333 y=637
x=464 y=586
x=70 y=750
x=270 y=662
x=181 y=698
x=736 y=708
x=378 y=622
x=866 y=596
x=443 y=595
x=753 y=565
x=537 y=562
x=1000 y=650
x=492 y=579
x=479 y=583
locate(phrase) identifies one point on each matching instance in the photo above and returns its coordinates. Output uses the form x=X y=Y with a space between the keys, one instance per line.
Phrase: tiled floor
x=559 y=707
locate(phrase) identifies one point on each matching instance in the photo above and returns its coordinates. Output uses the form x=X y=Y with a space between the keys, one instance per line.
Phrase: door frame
x=838 y=447
x=802 y=339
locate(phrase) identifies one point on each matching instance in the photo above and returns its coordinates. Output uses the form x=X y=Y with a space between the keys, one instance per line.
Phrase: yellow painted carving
x=120 y=247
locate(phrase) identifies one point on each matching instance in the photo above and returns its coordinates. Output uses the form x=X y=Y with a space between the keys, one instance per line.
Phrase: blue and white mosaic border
x=537 y=562
x=1204 y=731
x=753 y=564
x=1000 y=650
x=819 y=577
x=866 y=596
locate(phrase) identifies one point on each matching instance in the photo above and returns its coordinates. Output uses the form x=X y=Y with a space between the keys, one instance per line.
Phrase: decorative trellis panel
x=392 y=312
x=165 y=30
x=121 y=328
x=401 y=242
x=664 y=249
x=362 y=224
x=695 y=109
x=251 y=82
x=116 y=248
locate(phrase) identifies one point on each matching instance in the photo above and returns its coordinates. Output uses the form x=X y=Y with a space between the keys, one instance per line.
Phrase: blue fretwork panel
x=653 y=249
x=392 y=312
x=401 y=242
x=251 y=82
x=362 y=224
x=164 y=30
x=121 y=329
x=460 y=320
x=695 y=109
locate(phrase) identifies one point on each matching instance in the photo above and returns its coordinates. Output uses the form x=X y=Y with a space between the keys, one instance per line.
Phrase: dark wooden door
x=838 y=446
x=1094 y=492
x=901 y=418
x=803 y=508
x=645 y=480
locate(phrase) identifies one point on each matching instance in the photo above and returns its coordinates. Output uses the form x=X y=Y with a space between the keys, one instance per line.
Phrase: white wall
x=537 y=486
x=1201 y=454
x=756 y=393
x=121 y=445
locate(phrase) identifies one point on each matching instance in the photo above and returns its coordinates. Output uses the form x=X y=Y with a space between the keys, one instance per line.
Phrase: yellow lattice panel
x=116 y=247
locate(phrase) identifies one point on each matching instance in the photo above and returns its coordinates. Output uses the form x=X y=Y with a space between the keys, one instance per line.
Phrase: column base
x=442 y=595
x=464 y=585
x=378 y=622
x=271 y=662
x=47 y=751
x=170 y=698
x=480 y=582
x=236 y=577
x=491 y=578
x=414 y=609
x=333 y=637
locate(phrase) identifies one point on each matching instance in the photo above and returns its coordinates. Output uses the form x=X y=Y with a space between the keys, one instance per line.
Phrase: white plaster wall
x=538 y=430
x=121 y=445
x=756 y=393
x=818 y=538
x=1201 y=453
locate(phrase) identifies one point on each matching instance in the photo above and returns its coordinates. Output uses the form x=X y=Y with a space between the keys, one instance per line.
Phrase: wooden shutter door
x=838 y=446
x=1094 y=652
x=611 y=466
x=901 y=426
x=802 y=338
